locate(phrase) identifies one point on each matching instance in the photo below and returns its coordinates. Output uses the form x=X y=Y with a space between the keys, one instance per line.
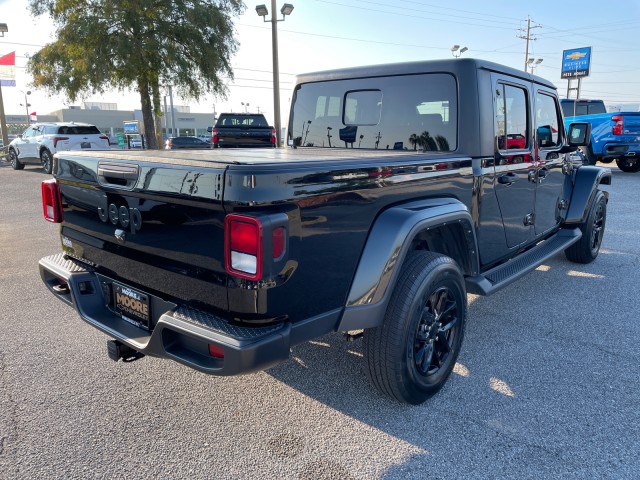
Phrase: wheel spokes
x=435 y=332
x=423 y=357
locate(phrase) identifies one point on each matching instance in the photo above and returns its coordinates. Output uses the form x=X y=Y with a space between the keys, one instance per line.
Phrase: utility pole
x=527 y=37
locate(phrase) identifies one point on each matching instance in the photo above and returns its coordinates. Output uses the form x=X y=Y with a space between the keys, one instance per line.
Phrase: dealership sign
x=576 y=62
x=131 y=128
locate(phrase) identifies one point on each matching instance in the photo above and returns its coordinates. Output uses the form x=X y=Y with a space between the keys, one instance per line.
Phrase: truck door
x=549 y=132
x=514 y=166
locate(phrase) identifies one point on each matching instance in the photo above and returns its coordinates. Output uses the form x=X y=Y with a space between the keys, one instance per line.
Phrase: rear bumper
x=618 y=150
x=179 y=332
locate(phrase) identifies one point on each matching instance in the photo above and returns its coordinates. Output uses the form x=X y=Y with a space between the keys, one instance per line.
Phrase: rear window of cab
x=409 y=112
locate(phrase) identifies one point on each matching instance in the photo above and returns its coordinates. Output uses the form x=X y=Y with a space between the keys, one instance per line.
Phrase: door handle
x=507 y=179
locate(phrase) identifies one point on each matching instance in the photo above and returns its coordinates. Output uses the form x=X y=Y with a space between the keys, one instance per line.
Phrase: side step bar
x=502 y=275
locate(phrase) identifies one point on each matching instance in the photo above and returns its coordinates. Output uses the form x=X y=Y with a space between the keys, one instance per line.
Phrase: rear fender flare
x=585 y=186
x=388 y=243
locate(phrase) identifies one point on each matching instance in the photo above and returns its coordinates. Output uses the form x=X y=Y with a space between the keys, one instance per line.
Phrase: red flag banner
x=8 y=70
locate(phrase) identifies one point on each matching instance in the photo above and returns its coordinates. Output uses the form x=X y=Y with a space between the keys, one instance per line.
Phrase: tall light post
x=26 y=104
x=456 y=51
x=3 y=118
x=533 y=63
x=262 y=11
x=246 y=106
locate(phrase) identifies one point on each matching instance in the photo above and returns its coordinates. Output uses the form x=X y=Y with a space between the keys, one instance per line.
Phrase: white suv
x=40 y=141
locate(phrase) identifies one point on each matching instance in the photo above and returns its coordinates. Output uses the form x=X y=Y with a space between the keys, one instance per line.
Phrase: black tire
x=411 y=355
x=47 y=160
x=590 y=158
x=13 y=159
x=628 y=165
x=587 y=248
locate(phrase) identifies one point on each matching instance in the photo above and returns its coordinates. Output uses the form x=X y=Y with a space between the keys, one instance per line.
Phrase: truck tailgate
x=157 y=225
x=631 y=123
x=244 y=137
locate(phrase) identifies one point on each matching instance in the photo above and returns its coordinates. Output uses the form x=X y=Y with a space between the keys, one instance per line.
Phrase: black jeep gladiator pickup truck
x=403 y=188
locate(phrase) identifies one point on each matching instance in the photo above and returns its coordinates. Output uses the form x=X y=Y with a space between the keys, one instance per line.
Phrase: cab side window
x=29 y=132
x=548 y=121
x=511 y=117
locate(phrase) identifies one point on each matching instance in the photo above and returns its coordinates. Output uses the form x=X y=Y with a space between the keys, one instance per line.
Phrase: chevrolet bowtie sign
x=576 y=62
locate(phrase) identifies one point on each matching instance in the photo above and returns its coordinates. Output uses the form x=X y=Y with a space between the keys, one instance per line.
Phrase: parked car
x=173 y=143
x=41 y=141
x=135 y=141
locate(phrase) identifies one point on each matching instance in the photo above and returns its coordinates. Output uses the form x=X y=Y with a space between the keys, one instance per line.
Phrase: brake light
x=243 y=246
x=214 y=136
x=58 y=139
x=619 y=125
x=104 y=137
x=51 y=202
x=273 y=136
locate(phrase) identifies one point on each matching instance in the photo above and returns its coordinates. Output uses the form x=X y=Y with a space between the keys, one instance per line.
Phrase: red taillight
x=619 y=126
x=243 y=246
x=51 y=203
x=58 y=139
x=214 y=136
x=216 y=351
x=273 y=136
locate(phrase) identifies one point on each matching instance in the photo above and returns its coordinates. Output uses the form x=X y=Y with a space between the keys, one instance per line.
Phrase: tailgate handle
x=120 y=174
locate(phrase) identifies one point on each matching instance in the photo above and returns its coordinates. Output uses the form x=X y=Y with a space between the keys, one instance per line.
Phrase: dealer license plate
x=85 y=145
x=132 y=305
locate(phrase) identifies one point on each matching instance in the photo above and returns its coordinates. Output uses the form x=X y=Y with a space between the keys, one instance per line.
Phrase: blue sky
x=326 y=34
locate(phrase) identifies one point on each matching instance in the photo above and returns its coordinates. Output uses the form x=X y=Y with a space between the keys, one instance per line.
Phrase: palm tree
x=443 y=143
x=414 y=140
x=427 y=142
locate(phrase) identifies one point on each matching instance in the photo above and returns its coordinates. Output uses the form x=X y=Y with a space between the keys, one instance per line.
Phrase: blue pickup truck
x=614 y=135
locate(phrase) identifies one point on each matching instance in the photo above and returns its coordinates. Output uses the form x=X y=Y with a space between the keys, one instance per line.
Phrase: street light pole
x=276 y=72
x=26 y=103
x=286 y=9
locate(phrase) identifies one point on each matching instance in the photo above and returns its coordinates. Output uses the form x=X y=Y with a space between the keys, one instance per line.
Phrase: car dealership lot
x=546 y=385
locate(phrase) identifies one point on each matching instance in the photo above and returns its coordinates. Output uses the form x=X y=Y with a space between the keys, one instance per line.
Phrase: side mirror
x=579 y=134
x=20 y=136
x=209 y=129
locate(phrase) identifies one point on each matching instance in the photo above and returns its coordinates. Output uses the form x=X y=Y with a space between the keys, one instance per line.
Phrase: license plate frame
x=85 y=144
x=132 y=305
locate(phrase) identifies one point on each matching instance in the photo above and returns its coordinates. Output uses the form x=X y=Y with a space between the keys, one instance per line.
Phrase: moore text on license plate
x=132 y=305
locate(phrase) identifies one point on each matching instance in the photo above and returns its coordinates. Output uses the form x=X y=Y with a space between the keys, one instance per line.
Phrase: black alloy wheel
x=587 y=248
x=410 y=356
x=628 y=164
x=436 y=332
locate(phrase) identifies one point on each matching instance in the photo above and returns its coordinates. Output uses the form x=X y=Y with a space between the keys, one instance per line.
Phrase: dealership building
x=110 y=120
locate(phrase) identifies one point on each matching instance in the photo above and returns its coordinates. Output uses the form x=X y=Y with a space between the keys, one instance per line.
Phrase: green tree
x=102 y=44
x=414 y=140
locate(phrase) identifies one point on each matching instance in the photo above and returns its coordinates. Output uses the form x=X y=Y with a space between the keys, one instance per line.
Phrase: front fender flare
x=388 y=243
x=585 y=186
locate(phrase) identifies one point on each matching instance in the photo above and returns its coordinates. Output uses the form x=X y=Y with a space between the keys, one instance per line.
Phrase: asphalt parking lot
x=546 y=385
